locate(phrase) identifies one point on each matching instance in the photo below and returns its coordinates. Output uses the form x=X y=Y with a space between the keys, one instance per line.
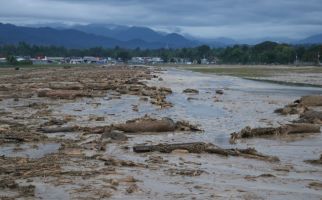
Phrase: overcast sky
x=204 y=18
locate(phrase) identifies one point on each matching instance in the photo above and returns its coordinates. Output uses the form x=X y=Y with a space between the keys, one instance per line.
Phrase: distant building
x=39 y=61
x=3 y=60
x=21 y=58
x=156 y=60
x=90 y=59
x=75 y=61
x=204 y=61
x=183 y=61
x=146 y=60
x=57 y=60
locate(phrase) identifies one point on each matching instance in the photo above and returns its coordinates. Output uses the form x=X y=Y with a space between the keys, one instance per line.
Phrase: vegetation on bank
x=12 y=61
x=254 y=71
x=263 y=53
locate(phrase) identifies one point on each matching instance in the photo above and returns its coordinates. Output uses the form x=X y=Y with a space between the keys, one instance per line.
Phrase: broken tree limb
x=12 y=139
x=300 y=106
x=311 y=116
x=296 y=128
x=147 y=124
x=315 y=162
x=196 y=147
x=200 y=147
x=315 y=100
x=58 y=129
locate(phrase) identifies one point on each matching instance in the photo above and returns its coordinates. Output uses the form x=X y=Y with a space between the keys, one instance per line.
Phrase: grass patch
x=253 y=71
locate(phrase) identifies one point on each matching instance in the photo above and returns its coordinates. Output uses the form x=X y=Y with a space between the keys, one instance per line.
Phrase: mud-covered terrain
x=120 y=132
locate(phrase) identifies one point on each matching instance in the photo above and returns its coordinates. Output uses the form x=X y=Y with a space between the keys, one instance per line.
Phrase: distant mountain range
x=86 y=37
x=110 y=36
x=314 y=39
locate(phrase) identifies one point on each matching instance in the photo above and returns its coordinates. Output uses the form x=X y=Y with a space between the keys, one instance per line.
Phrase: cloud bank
x=203 y=18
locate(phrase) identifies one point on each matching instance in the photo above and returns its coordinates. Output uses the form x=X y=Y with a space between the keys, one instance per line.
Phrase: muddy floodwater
x=74 y=163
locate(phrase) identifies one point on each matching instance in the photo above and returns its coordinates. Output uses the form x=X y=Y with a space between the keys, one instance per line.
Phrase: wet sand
x=73 y=167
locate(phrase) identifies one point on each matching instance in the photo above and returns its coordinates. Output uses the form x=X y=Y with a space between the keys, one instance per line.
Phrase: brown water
x=244 y=103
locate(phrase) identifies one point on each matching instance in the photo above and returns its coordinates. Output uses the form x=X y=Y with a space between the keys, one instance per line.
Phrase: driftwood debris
x=9 y=139
x=147 y=124
x=292 y=109
x=310 y=100
x=190 y=91
x=58 y=129
x=315 y=162
x=114 y=135
x=300 y=106
x=311 y=116
x=296 y=128
x=64 y=94
x=201 y=147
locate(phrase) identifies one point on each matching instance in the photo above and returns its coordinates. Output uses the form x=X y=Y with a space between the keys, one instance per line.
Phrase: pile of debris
x=73 y=83
x=311 y=116
x=296 y=128
x=148 y=124
x=19 y=134
x=201 y=147
x=308 y=122
x=315 y=162
x=300 y=106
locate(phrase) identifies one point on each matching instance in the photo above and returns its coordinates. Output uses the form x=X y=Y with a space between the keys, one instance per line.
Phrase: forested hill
x=263 y=53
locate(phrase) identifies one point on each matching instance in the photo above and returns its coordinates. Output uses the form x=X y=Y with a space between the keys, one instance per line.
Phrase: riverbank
x=298 y=75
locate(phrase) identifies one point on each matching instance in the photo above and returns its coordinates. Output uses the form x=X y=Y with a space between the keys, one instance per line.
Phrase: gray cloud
x=204 y=18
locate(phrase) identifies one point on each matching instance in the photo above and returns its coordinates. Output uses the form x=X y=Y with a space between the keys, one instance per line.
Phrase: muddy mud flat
x=132 y=132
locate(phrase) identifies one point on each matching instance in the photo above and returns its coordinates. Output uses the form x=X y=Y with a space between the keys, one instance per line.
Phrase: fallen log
x=147 y=124
x=64 y=94
x=190 y=91
x=311 y=116
x=65 y=86
x=296 y=128
x=315 y=162
x=201 y=147
x=196 y=147
x=14 y=139
x=310 y=100
x=114 y=135
x=292 y=109
x=58 y=129
x=301 y=105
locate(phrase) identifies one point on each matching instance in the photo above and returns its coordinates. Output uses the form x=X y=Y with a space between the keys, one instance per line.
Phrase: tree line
x=263 y=53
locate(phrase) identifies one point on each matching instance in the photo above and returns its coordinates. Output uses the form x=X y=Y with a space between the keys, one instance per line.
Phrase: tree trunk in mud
x=14 y=139
x=149 y=125
x=311 y=116
x=196 y=147
x=300 y=128
x=58 y=129
x=315 y=162
x=296 y=128
x=200 y=147
x=311 y=101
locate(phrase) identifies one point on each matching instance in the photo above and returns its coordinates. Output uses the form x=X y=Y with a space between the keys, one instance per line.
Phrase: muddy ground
x=69 y=133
